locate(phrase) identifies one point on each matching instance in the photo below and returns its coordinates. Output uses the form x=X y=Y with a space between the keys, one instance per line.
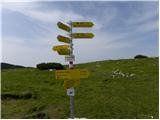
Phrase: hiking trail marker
x=71 y=76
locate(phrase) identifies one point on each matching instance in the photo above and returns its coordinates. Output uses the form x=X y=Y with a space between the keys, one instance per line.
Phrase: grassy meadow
x=115 y=89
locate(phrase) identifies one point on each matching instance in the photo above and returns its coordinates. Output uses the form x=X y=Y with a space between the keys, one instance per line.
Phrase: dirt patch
x=36 y=108
x=40 y=115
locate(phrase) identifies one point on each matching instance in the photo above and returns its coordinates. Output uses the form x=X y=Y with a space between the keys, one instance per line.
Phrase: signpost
x=71 y=76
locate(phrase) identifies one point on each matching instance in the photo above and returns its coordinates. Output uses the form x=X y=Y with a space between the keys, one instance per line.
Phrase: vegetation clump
x=140 y=56
x=26 y=95
x=47 y=66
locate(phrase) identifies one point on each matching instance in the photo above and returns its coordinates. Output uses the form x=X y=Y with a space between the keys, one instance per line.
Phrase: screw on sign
x=72 y=76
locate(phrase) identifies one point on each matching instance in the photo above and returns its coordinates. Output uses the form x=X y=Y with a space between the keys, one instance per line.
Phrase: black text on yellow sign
x=56 y=48
x=82 y=35
x=82 y=24
x=71 y=77
x=71 y=74
x=63 y=39
x=63 y=26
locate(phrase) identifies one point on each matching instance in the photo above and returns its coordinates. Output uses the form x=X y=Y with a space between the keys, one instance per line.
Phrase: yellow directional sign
x=71 y=83
x=63 y=26
x=62 y=74
x=58 y=47
x=71 y=74
x=63 y=51
x=82 y=35
x=82 y=24
x=84 y=73
x=63 y=39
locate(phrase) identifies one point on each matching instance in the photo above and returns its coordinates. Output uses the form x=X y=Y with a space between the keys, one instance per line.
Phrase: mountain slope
x=114 y=89
x=10 y=66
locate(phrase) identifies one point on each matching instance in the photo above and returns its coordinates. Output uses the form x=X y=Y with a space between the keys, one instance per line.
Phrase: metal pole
x=71 y=97
x=72 y=107
x=71 y=67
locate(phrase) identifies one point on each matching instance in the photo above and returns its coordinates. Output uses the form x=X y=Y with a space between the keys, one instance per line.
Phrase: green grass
x=115 y=89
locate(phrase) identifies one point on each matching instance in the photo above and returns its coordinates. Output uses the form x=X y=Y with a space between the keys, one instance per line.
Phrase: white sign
x=69 y=58
x=70 y=92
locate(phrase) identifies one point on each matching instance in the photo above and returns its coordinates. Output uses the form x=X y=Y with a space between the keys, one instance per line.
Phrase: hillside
x=115 y=89
x=10 y=66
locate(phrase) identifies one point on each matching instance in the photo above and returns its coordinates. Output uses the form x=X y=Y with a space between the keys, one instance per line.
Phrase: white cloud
x=15 y=50
x=148 y=26
x=54 y=16
x=102 y=46
x=108 y=15
x=6 y=1
x=31 y=10
x=143 y=14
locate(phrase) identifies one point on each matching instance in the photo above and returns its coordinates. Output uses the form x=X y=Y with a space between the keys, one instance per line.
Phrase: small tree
x=41 y=66
x=140 y=56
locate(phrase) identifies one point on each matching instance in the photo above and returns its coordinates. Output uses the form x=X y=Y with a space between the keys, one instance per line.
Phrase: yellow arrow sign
x=58 y=47
x=63 y=39
x=71 y=74
x=63 y=26
x=82 y=35
x=63 y=51
x=82 y=24
x=71 y=83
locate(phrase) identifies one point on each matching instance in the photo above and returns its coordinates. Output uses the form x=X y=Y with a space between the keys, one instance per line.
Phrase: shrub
x=26 y=95
x=140 y=56
x=42 y=66
x=47 y=66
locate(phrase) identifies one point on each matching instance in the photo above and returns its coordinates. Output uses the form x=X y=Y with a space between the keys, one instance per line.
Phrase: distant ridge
x=10 y=66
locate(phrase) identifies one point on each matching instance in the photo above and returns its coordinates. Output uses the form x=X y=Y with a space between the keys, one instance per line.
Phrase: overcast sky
x=122 y=30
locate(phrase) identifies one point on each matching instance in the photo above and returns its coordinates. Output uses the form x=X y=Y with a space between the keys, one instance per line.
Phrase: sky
x=122 y=30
